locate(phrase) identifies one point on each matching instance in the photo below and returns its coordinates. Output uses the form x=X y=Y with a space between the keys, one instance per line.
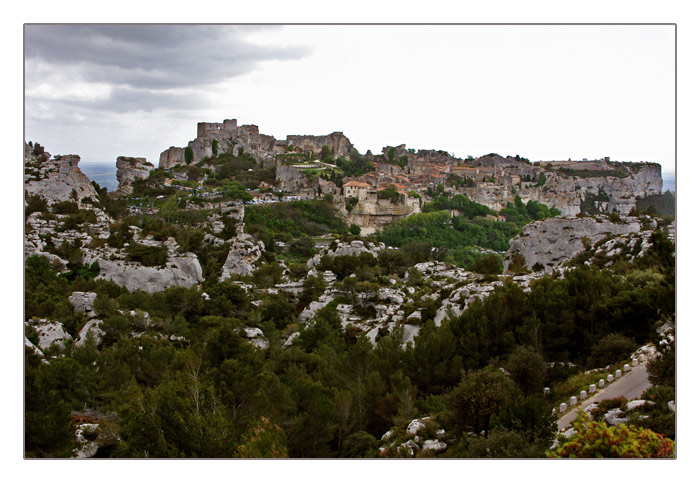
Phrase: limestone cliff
x=371 y=216
x=615 y=189
x=55 y=178
x=554 y=241
x=129 y=170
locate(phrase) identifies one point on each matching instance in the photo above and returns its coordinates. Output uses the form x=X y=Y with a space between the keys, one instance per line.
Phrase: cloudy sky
x=544 y=92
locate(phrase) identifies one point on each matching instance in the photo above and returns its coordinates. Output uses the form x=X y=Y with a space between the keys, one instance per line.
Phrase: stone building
x=356 y=189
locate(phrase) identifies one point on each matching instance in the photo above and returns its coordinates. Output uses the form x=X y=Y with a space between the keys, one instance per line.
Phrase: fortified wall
x=229 y=137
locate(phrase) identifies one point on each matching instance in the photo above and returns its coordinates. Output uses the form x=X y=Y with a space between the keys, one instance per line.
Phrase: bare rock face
x=354 y=248
x=90 y=330
x=180 y=271
x=130 y=170
x=556 y=240
x=50 y=332
x=82 y=301
x=568 y=194
x=338 y=143
x=244 y=252
x=55 y=179
x=171 y=157
x=289 y=178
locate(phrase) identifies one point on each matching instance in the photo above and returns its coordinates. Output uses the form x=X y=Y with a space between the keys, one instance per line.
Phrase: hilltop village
x=253 y=297
x=378 y=189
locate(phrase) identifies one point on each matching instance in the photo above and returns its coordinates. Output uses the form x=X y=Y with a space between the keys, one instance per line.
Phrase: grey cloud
x=126 y=99
x=153 y=56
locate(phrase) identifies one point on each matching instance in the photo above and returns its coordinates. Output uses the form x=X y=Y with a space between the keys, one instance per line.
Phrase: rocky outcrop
x=370 y=216
x=244 y=251
x=130 y=170
x=55 y=178
x=90 y=330
x=354 y=248
x=82 y=301
x=337 y=142
x=180 y=271
x=554 y=241
x=50 y=332
x=290 y=178
x=570 y=193
x=171 y=157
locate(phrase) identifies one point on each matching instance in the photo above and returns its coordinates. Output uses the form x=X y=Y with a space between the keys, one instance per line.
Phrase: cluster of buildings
x=419 y=171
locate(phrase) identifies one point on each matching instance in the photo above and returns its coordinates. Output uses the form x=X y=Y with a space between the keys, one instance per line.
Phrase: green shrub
x=65 y=207
x=611 y=349
x=149 y=256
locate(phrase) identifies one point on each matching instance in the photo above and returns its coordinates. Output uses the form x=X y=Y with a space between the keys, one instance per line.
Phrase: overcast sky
x=543 y=92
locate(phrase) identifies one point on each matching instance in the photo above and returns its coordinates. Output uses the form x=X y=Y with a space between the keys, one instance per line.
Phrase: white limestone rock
x=312 y=309
x=434 y=445
x=179 y=271
x=242 y=255
x=82 y=301
x=34 y=348
x=416 y=425
x=615 y=416
x=554 y=241
x=50 y=332
x=354 y=248
x=256 y=337
x=90 y=329
x=56 y=178
x=290 y=339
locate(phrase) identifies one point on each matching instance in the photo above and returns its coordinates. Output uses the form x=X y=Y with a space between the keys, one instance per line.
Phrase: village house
x=356 y=189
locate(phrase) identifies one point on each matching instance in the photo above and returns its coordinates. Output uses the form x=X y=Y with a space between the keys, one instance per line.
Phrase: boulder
x=179 y=271
x=91 y=329
x=50 y=332
x=434 y=445
x=82 y=301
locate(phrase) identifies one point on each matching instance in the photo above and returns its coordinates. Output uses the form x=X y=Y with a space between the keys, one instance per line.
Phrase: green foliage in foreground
x=594 y=439
x=332 y=392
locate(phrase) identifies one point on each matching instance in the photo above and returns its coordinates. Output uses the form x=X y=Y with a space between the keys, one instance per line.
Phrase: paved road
x=629 y=386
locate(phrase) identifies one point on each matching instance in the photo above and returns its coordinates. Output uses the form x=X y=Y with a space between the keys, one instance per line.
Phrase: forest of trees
x=192 y=386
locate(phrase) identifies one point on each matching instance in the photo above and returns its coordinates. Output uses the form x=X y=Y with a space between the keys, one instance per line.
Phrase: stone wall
x=231 y=138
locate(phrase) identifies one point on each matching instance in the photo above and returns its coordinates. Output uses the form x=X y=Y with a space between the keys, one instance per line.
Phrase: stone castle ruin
x=229 y=137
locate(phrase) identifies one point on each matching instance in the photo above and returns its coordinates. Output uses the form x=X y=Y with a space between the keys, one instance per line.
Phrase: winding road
x=629 y=386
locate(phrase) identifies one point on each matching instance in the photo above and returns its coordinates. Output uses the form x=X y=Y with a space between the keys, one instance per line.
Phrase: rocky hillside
x=56 y=178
